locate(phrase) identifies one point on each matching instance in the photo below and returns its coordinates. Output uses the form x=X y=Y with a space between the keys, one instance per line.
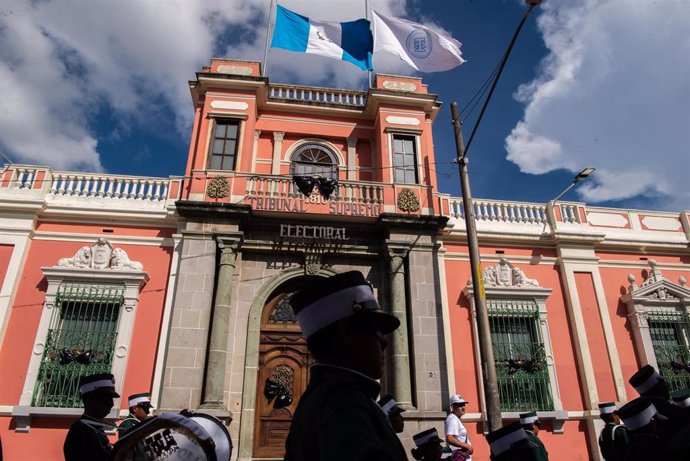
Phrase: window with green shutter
x=519 y=353
x=670 y=332
x=80 y=341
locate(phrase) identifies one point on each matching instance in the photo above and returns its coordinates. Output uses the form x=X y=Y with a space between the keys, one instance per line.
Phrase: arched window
x=314 y=160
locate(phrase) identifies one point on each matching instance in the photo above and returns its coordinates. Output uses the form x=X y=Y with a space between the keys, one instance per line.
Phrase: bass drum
x=219 y=433
x=166 y=437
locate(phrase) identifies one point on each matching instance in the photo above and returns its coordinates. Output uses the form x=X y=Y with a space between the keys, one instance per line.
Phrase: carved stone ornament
x=504 y=274
x=656 y=286
x=101 y=255
x=408 y=201
x=218 y=187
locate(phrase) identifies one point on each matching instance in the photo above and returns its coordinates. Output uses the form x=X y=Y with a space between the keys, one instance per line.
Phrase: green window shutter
x=521 y=369
x=81 y=341
x=670 y=332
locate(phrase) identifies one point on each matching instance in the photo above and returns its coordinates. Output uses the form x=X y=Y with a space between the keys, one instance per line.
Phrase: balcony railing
x=501 y=211
x=309 y=94
x=117 y=187
x=284 y=187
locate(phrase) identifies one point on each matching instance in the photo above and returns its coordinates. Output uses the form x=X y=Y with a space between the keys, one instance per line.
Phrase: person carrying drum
x=86 y=439
x=139 y=409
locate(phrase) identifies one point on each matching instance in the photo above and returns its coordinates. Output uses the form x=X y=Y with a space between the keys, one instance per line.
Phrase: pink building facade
x=179 y=285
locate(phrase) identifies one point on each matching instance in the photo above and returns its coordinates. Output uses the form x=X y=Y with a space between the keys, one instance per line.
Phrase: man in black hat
x=613 y=440
x=511 y=443
x=86 y=439
x=531 y=424
x=649 y=383
x=646 y=435
x=139 y=409
x=337 y=417
x=391 y=409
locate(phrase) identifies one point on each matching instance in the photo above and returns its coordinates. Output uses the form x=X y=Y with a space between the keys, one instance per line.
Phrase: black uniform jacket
x=86 y=441
x=338 y=419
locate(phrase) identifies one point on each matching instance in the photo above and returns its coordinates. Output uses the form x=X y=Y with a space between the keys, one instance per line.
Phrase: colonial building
x=181 y=285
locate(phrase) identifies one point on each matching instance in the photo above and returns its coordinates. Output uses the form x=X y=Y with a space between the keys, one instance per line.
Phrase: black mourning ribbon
x=530 y=366
x=306 y=184
x=277 y=391
x=677 y=367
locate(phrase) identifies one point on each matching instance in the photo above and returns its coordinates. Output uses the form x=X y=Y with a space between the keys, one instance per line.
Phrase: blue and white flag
x=348 y=41
x=421 y=47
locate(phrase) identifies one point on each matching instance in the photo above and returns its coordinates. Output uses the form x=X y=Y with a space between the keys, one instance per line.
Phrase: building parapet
x=87 y=191
x=317 y=95
x=570 y=220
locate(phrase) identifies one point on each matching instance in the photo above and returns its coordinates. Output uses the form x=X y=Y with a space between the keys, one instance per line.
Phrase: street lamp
x=580 y=176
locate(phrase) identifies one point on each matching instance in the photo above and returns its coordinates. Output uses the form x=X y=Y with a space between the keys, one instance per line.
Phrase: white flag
x=417 y=45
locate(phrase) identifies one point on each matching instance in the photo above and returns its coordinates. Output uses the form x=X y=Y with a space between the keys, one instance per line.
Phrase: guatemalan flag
x=348 y=41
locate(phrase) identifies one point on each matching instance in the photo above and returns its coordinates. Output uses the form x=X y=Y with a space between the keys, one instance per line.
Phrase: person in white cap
x=427 y=446
x=646 y=434
x=456 y=433
x=511 y=443
x=391 y=409
x=337 y=417
x=139 y=409
x=86 y=439
x=531 y=424
x=613 y=440
x=649 y=383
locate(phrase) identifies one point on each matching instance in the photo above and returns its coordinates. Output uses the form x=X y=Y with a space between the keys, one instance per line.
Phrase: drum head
x=219 y=432
x=166 y=437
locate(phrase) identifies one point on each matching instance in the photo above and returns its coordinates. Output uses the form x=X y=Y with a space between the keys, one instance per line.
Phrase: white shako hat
x=645 y=379
x=389 y=405
x=136 y=399
x=528 y=418
x=607 y=408
x=336 y=298
x=502 y=439
x=637 y=413
x=427 y=436
x=101 y=382
x=681 y=398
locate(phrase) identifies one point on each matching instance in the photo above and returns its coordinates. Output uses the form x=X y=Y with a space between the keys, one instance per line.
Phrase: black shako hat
x=101 y=382
x=427 y=436
x=637 y=413
x=501 y=440
x=645 y=379
x=336 y=298
x=389 y=405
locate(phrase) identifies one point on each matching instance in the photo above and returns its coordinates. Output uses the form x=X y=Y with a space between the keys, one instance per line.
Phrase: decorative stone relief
x=101 y=255
x=218 y=187
x=399 y=86
x=234 y=70
x=231 y=105
x=283 y=312
x=402 y=120
x=504 y=274
x=408 y=201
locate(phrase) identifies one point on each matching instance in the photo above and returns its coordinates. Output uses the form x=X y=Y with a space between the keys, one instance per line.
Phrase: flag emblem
x=419 y=43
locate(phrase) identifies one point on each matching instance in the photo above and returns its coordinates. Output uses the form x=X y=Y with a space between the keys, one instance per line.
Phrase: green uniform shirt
x=542 y=454
x=337 y=419
x=127 y=425
x=613 y=442
x=86 y=441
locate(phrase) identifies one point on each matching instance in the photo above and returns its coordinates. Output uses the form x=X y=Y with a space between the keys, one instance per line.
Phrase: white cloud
x=613 y=93
x=63 y=61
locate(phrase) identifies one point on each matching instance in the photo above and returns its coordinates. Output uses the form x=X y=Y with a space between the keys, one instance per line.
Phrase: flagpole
x=268 y=37
x=366 y=7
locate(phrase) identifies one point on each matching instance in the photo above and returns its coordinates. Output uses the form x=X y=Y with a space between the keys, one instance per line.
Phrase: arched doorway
x=283 y=371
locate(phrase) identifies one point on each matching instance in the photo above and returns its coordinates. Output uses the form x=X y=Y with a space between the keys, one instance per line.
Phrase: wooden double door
x=283 y=372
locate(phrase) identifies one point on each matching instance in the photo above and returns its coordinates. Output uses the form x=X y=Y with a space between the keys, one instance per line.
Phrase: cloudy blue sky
x=101 y=85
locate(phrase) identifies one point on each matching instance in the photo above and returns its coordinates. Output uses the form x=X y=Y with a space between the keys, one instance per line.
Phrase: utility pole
x=488 y=365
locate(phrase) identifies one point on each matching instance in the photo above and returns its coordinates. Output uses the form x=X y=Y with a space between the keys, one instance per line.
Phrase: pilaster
x=277 y=150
